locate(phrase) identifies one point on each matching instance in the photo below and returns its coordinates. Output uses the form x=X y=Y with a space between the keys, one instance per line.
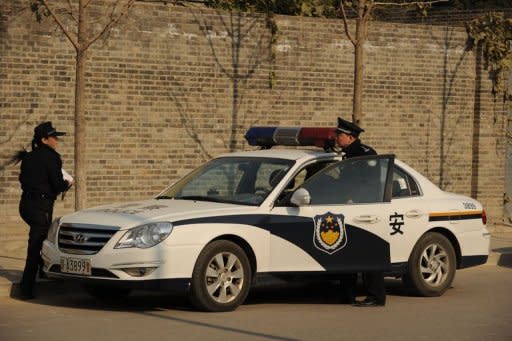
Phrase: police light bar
x=267 y=137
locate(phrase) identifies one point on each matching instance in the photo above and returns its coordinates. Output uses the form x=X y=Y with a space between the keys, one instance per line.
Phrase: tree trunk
x=357 y=100
x=81 y=59
x=477 y=115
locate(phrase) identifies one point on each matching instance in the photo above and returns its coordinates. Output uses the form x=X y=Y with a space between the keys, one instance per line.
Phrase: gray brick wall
x=160 y=97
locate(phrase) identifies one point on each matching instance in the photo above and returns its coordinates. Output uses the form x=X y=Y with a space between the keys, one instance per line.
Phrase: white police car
x=278 y=212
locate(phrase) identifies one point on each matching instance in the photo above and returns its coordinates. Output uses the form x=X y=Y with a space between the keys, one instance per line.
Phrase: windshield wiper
x=163 y=197
x=200 y=198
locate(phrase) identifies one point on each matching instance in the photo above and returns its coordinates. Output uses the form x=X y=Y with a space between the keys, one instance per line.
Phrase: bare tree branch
x=368 y=9
x=347 y=32
x=71 y=12
x=113 y=21
x=404 y=4
x=61 y=25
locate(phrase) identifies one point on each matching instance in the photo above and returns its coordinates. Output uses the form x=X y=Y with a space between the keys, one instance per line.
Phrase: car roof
x=284 y=153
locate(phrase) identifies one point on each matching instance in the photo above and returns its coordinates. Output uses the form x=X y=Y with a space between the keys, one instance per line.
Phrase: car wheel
x=107 y=294
x=431 y=267
x=221 y=277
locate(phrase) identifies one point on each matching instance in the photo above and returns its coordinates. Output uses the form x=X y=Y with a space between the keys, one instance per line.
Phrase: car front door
x=344 y=224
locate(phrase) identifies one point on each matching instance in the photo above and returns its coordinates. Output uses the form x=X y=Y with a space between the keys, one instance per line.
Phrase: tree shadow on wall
x=9 y=147
x=480 y=66
x=446 y=135
x=7 y=141
x=181 y=102
x=6 y=144
x=27 y=112
x=248 y=44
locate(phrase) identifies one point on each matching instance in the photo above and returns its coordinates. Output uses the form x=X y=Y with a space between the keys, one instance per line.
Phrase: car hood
x=128 y=215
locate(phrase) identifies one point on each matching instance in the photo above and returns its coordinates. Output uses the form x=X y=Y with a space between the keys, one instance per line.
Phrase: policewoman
x=41 y=181
x=347 y=137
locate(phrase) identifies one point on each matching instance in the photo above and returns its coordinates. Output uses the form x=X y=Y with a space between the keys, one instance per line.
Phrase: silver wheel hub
x=224 y=277
x=434 y=265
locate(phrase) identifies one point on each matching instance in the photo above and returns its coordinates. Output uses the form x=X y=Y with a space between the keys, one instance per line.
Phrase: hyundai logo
x=79 y=238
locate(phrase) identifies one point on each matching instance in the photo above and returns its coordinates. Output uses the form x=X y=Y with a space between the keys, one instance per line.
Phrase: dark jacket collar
x=353 y=149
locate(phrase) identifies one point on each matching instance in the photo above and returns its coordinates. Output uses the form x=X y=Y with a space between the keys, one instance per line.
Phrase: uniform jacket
x=356 y=148
x=41 y=172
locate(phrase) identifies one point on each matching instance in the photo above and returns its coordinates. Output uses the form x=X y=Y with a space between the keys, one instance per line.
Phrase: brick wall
x=162 y=97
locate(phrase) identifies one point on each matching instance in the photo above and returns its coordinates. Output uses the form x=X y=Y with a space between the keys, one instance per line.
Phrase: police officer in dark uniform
x=347 y=137
x=42 y=181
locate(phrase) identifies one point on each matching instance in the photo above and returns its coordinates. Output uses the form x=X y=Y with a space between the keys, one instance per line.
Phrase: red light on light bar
x=316 y=136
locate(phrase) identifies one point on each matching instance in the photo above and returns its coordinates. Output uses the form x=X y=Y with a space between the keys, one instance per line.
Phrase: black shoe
x=370 y=302
x=25 y=296
x=21 y=294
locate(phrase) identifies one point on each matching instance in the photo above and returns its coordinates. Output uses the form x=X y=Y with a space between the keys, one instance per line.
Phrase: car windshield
x=236 y=180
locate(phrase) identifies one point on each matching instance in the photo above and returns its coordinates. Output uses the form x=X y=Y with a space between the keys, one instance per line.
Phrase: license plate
x=77 y=266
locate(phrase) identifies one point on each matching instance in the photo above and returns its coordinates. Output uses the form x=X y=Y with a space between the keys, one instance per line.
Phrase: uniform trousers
x=373 y=283
x=36 y=210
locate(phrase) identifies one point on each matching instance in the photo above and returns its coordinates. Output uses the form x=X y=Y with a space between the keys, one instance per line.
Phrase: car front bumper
x=168 y=267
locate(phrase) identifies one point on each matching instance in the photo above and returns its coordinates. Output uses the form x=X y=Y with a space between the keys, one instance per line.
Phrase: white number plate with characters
x=76 y=266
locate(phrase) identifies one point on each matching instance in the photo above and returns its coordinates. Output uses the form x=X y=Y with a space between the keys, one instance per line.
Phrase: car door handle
x=367 y=218
x=413 y=214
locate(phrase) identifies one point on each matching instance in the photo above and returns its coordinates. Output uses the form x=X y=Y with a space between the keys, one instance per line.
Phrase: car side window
x=351 y=181
x=403 y=185
x=297 y=181
x=307 y=172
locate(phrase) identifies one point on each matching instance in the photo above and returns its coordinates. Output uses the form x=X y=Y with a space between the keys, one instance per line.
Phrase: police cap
x=46 y=129
x=348 y=128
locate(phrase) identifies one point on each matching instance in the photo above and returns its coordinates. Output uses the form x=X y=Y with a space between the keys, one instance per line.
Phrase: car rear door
x=409 y=217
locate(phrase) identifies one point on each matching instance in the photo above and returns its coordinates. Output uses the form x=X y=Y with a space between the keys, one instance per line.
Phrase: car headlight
x=145 y=236
x=52 y=232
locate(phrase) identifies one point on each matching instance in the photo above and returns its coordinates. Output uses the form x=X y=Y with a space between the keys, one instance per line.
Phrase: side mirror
x=301 y=197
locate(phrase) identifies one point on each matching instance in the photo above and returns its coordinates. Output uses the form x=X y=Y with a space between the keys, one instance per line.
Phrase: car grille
x=84 y=239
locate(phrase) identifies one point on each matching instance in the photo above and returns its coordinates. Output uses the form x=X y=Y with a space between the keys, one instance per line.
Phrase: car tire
x=106 y=293
x=431 y=266
x=221 y=277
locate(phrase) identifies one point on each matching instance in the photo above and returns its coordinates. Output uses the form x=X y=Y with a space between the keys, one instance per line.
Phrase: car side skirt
x=398 y=269
x=470 y=261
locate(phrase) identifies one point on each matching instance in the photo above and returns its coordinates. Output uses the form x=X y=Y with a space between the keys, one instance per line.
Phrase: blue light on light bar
x=261 y=136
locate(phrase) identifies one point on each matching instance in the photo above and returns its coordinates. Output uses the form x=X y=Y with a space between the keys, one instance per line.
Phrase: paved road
x=478 y=307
